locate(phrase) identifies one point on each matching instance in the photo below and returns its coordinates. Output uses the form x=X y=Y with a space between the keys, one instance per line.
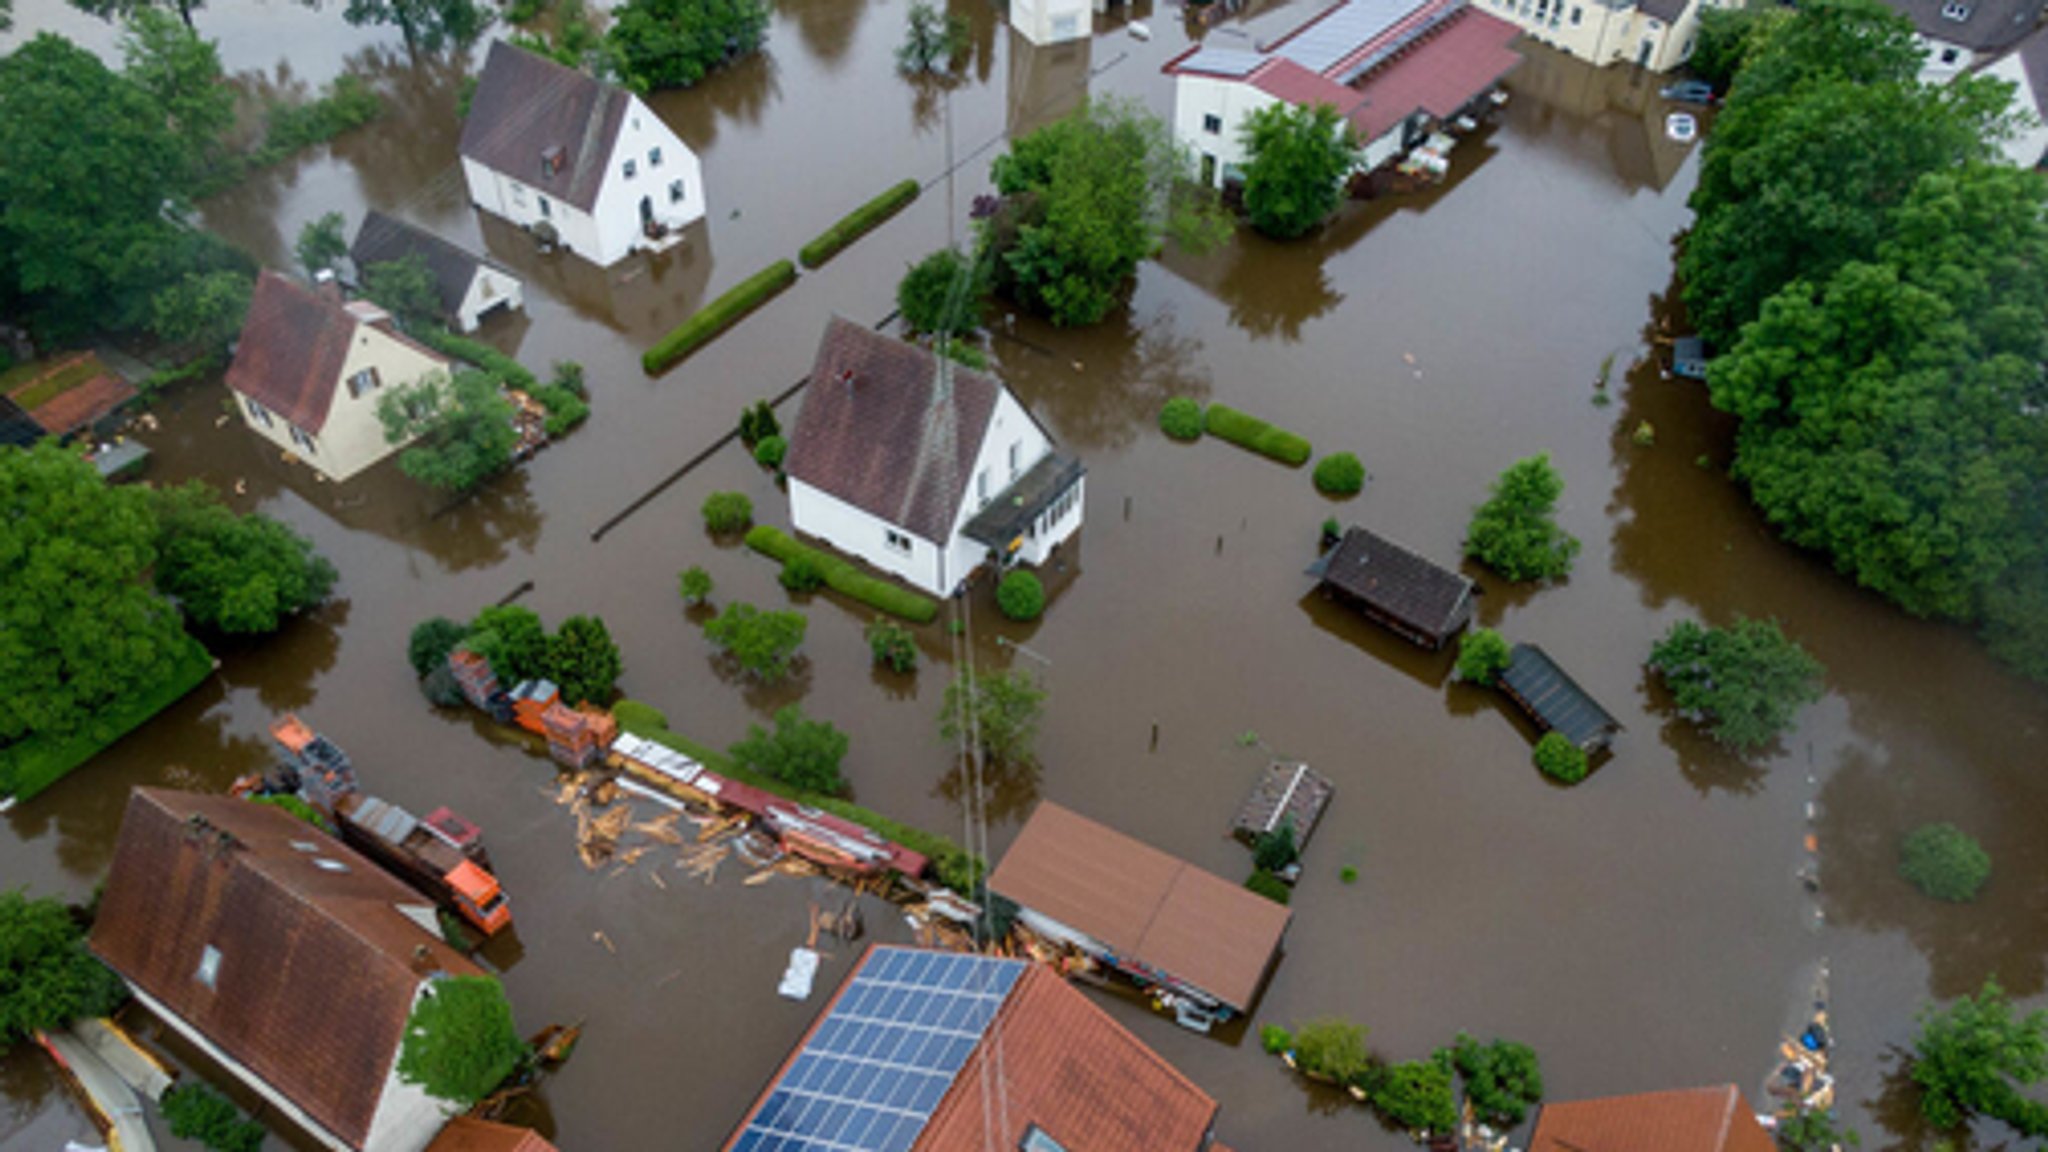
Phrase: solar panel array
x=1222 y=62
x=880 y=1060
x=1319 y=46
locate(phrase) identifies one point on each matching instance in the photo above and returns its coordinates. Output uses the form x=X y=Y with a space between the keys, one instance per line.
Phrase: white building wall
x=2029 y=142
x=407 y=1119
x=489 y=289
x=506 y=196
x=858 y=533
x=1591 y=30
x=1201 y=103
x=1941 y=60
x=643 y=138
x=352 y=438
x=1012 y=435
x=1052 y=21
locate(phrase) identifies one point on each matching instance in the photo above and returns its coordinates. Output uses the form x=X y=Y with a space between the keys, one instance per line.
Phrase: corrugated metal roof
x=1320 y=44
x=1555 y=698
x=1221 y=62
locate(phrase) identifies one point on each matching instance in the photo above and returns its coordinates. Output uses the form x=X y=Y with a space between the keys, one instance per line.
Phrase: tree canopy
x=406 y=288
x=321 y=243
x=942 y=293
x=427 y=25
x=1746 y=682
x=460 y=1042
x=512 y=640
x=1298 y=158
x=1002 y=709
x=182 y=74
x=1974 y=1057
x=676 y=43
x=47 y=978
x=1514 y=532
x=461 y=429
x=234 y=573
x=1503 y=1079
x=763 y=643
x=584 y=661
x=800 y=751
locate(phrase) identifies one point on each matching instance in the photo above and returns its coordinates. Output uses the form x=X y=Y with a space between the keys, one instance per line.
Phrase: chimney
x=326 y=286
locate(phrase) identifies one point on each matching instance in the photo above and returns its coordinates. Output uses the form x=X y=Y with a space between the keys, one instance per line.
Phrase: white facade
x=352 y=439
x=489 y=289
x=650 y=174
x=1207 y=111
x=1604 y=33
x=1943 y=61
x=1052 y=21
x=2029 y=143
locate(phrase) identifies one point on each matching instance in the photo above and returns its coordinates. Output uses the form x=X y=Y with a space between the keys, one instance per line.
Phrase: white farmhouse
x=469 y=287
x=580 y=162
x=1655 y=34
x=1958 y=35
x=2026 y=69
x=309 y=368
x=926 y=470
x=1393 y=68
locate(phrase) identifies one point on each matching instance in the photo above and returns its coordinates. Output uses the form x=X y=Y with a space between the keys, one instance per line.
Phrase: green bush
x=857 y=223
x=1331 y=529
x=33 y=764
x=1944 y=862
x=942 y=293
x=1503 y=1080
x=47 y=977
x=297 y=807
x=1226 y=423
x=1515 y=532
x=763 y=643
x=569 y=375
x=1270 y=886
x=492 y=361
x=758 y=423
x=1482 y=656
x=1560 y=759
x=1181 y=418
x=196 y=1112
x=727 y=512
x=639 y=717
x=1339 y=475
x=1274 y=851
x=1348 y=874
x=802 y=574
x=770 y=451
x=845 y=578
x=565 y=409
x=800 y=752
x=1416 y=1095
x=1333 y=1049
x=1747 y=681
x=694 y=584
x=432 y=640
x=960 y=351
x=717 y=316
x=1275 y=1039
x=1020 y=595
x=892 y=645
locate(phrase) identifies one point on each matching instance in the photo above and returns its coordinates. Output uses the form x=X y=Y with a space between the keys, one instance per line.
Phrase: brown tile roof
x=1391 y=579
x=1455 y=63
x=871 y=434
x=293 y=346
x=316 y=973
x=1687 y=1120
x=527 y=105
x=382 y=238
x=1074 y=1073
x=1143 y=904
x=1669 y=11
x=79 y=405
x=464 y=1134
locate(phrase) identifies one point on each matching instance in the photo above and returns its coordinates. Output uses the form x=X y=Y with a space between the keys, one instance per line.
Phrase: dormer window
x=1956 y=12
x=1036 y=1139
x=552 y=160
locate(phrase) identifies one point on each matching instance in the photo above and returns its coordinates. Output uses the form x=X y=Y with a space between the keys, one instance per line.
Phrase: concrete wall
x=352 y=439
x=1197 y=98
x=1052 y=21
x=1593 y=31
x=489 y=289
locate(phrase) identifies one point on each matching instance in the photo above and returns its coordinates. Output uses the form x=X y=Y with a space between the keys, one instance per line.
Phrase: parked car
x=1689 y=92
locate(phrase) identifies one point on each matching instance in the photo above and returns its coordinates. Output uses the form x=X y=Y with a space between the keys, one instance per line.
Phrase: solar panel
x=881 y=1058
x=1319 y=46
x=1221 y=62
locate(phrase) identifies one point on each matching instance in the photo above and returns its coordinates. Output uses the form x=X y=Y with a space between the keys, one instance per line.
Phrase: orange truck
x=442 y=856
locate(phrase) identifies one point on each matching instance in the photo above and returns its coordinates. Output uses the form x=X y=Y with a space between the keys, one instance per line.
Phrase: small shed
x=1421 y=601
x=69 y=395
x=469 y=287
x=1284 y=793
x=1554 y=700
x=1689 y=358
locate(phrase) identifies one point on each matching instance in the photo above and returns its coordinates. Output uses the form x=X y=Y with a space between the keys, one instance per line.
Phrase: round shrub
x=1560 y=759
x=931 y=296
x=727 y=512
x=1268 y=885
x=1181 y=419
x=802 y=574
x=1944 y=862
x=1275 y=1039
x=769 y=451
x=892 y=645
x=1020 y=595
x=694 y=584
x=1339 y=475
x=432 y=640
x=1482 y=656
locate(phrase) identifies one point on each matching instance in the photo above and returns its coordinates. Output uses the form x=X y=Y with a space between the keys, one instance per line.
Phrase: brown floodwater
x=1646 y=929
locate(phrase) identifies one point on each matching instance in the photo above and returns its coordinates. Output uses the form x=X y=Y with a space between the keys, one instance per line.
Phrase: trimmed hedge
x=505 y=368
x=717 y=316
x=846 y=578
x=1227 y=423
x=36 y=763
x=857 y=223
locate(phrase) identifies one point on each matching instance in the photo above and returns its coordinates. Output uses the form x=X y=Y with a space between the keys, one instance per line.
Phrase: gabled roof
x=1455 y=62
x=873 y=433
x=1668 y=11
x=293 y=345
x=1986 y=26
x=1689 y=1120
x=526 y=106
x=466 y=1134
x=66 y=393
x=383 y=238
x=1555 y=699
x=1144 y=904
x=1389 y=578
x=317 y=968
x=2033 y=61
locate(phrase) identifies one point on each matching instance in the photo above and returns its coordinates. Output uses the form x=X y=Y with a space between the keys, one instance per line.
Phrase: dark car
x=1689 y=92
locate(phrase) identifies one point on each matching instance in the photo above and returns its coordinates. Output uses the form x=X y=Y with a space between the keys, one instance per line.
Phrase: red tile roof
x=1073 y=1072
x=317 y=969
x=464 y=1134
x=526 y=105
x=293 y=346
x=1455 y=63
x=1687 y=1120
x=81 y=405
x=1283 y=79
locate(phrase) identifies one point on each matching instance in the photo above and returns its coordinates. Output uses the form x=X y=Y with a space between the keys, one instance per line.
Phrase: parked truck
x=442 y=856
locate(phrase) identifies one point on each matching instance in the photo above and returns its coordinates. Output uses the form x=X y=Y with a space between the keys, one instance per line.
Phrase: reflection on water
x=640 y=297
x=1104 y=383
x=1609 y=119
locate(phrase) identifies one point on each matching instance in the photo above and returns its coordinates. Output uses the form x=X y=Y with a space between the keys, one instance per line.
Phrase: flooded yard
x=1645 y=929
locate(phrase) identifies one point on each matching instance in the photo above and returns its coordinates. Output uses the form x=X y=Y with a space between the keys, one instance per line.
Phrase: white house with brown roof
x=587 y=163
x=468 y=286
x=288 y=959
x=924 y=469
x=2025 y=67
x=310 y=367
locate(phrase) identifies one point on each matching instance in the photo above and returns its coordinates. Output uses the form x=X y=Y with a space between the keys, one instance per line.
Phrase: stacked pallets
x=474 y=676
x=575 y=738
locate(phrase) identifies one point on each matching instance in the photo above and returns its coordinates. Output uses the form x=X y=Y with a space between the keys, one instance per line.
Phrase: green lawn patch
x=34 y=764
x=845 y=577
x=955 y=868
x=857 y=223
x=1226 y=423
x=718 y=315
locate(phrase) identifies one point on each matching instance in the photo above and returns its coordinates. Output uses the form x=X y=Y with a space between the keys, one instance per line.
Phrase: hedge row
x=36 y=763
x=718 y=315
x=857 y=223
x=845 y=577
x=505 y=368
x=955 y=868
x=1226 y=423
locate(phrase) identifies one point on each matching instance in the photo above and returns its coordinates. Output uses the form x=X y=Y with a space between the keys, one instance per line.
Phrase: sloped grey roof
x=1986 y=26
x=384 y=238
x=526 y=105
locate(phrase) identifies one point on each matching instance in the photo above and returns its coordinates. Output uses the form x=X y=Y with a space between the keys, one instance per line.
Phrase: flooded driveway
x=1646 y=929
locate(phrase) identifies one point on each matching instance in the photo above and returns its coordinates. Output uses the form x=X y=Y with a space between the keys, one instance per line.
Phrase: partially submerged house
x=1688 y=1120
x=311 y=366
x=1188 y=934
x=469 y=286
x=1285 y=793
x=580 y=163
x=288 y=959
x=1554 y=700
x=1958 y=35
x=924 y=468
x=922 y=1051
x=2025 y=67
x=1655 y=34
x=1415 y=598
x=1394 y=69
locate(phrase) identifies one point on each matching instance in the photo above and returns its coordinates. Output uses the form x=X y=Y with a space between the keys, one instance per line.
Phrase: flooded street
x=1646 y=929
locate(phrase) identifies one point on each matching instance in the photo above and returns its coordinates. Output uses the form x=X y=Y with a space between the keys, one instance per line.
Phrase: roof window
x=552 y=159
x=305 y=846
x=209 y=966
x=327 y=865
x=1955 y=11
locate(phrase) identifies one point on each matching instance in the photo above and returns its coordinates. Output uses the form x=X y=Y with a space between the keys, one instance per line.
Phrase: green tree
x=460 y=1042
x=1416 y=1095
x=942 y=293
x=1560 y=759
x=321 y=243
x=406 y=288
x=1503 y=1080
x=1298 y=157
x=196 y=1112
x=182 y=74
x=1728 y=37
x=204 y=310
x=573 y=39
x=934 y=42
x=512 y=640
x=431 y=642
x=116 y=9
x=1020 y=595
x=1746 y=682
x=427 y=25
x=1331 y=1048
x=1274 y=851
x=1974 y=1058
x=239 y=574
x=1514 y=532
x=1815 y=1132
x=1083 y=200
x=694 y=584
x=6 y=15
x=1001 y=709
x=47 y=978
x=1482 y=656
x=676 y=43
x=892 y=645
x=461 y=429
x=1944 y=862
x=80 y=628
x=584 y=662
x=800 y=752
x=764 y=643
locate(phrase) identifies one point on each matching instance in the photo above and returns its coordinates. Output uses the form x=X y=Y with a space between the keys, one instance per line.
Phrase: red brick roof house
x=1686 y=1120
x=283 y=955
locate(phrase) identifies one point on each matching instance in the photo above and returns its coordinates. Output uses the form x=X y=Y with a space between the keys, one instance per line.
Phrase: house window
x=209 y=966
x=302 y=440
x=519 y=195
x=981 y=486
x=675 y=192
x=1066 y=27
x=654 y=157
x=1948 y=55
x=898 y=541
x=1956 y=12
x=261 y=413
x=1576 y=13
x=1212 y=124
x=327 y=865
x=362 y=382
x=630 y=169
x=1016 y=455
x=545 y=208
